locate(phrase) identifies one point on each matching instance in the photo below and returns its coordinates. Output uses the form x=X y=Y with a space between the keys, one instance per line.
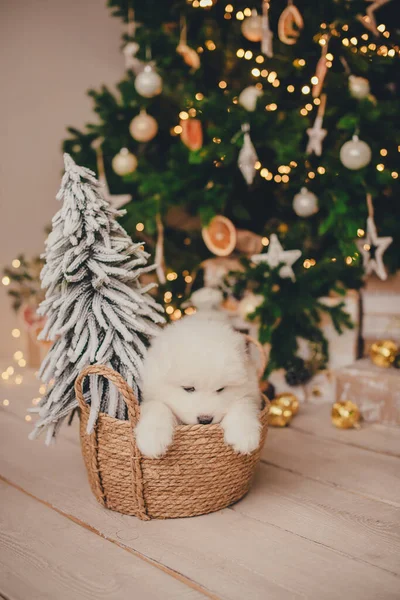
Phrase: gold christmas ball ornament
x=383 y=353
x=124 y=162
x=278 y=415
x=288 y=401
x=143 y=127
x=252 y=27
x=355 y=154
x=148 y=83
x=345 y=415
x=359 y=87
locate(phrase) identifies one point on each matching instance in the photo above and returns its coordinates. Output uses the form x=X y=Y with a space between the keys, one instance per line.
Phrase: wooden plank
x=45 y=555
x=366 y=529
x=366 y=473
x=316 y=420
x=231 y=555
x=325 y=515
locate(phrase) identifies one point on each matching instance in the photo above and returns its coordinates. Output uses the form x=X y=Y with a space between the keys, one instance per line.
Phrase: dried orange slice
x=220 y=236
x=289 y=25
x=192 y=133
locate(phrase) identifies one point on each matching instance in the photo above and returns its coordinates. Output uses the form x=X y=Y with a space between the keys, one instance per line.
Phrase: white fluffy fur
x=208 y=355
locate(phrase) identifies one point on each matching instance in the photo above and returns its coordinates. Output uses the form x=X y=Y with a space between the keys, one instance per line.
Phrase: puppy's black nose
x=204 y=419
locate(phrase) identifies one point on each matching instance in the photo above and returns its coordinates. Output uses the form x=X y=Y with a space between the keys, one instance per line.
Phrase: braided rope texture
x=198 y=474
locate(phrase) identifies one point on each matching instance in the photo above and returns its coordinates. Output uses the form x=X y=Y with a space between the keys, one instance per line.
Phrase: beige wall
x=52 y=51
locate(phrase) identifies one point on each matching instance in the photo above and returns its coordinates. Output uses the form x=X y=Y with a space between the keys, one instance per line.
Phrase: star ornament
x=276 y=255
x=116 y=200
x=316 y=135
x=372 y=249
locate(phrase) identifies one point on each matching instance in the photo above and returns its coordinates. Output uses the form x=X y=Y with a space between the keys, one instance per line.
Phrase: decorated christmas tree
x=96 y=309
x=271 y=119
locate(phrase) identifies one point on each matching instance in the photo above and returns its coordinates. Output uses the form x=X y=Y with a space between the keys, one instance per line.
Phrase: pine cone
x=297 y=372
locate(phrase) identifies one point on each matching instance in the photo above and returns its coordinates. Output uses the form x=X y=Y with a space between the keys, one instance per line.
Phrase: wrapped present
x=381 y=310
x=375 y=390
x=343 y=348
x=32 y=325
x=320 y=389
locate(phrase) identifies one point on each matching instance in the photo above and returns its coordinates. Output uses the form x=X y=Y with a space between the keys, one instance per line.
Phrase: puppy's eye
x=220 y=390
x=189 y=389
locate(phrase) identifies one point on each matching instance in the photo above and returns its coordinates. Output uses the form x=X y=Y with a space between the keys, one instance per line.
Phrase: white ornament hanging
x=305 y=203
x=316 y=134
x=143 y=127
x=124 y=162
x=131 y=62
x=355 y=154
x=372 y=247
x=359 y=87
x=131 y=48
x=276 y=255
x=249 y=96
x=252 y=27
x=116 y=200
x=247 y=156
x=148 y=83
x=267 y=35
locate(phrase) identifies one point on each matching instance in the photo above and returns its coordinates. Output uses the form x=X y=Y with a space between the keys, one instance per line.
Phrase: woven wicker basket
x=199 y=473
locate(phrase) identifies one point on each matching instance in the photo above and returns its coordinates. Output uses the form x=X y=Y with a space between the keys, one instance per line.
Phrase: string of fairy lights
x=326 y=30
x=263 y=76
x=10 y=376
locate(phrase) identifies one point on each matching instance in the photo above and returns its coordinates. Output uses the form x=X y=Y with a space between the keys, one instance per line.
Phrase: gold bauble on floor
x=278 y=415
x=345 y=414
x=288 y=401
x=383 y=353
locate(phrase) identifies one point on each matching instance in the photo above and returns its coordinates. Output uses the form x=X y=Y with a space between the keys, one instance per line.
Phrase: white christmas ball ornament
x=143 y=127
x=305 y=203
x=148 y=83
x=124 y=162
x=252 y=28
x=248 y=97
x=359 y=87
x=355 y=154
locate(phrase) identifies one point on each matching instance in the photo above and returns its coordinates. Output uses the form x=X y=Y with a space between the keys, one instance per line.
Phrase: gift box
x=381 y=310
x=344 y=347
x=31 y=324
x=374 y=389
x=319 y=390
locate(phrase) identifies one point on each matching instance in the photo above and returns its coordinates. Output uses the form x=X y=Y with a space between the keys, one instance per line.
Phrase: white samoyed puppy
x=198 y=370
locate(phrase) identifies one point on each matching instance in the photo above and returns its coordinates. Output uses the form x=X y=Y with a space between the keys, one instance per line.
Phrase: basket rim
x=211 y=427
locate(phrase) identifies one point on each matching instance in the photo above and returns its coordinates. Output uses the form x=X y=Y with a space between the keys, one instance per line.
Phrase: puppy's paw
x=155 y=431
x=242 y=434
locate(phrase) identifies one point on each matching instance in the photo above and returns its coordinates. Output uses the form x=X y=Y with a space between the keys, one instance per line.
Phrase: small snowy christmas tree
x=96 y=309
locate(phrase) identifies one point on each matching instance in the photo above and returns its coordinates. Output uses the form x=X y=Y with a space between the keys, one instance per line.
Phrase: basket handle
x=261 y=351
x=121 y=385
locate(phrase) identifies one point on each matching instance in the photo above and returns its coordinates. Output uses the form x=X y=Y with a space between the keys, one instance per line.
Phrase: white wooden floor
x=322 y=521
